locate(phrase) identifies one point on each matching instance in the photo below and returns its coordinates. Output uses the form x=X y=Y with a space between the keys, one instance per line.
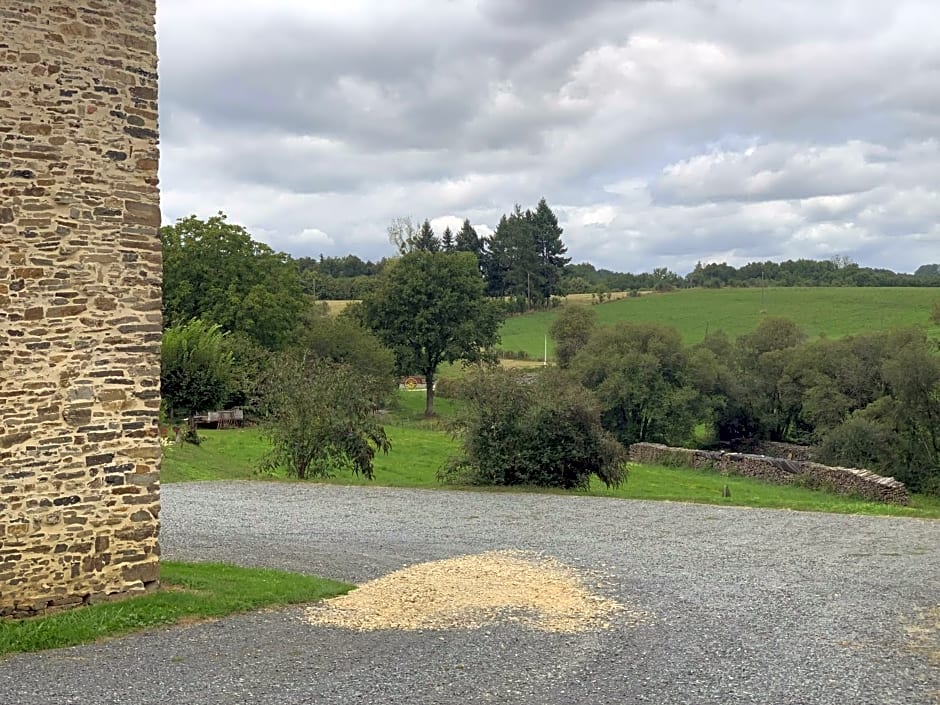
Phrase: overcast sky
x=661 y=133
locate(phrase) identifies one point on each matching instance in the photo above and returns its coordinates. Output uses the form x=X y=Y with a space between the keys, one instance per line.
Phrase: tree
x=641 y=376
x=571 y=331
x=525 y=259
x=549 y=249
x=426 y=240
x=928 y=270
x=512 y=260
x=430 y=308
x=544 y=431
x=214 y=271
x=402 y=234
x=195 y=368
x=447 y=240
x=343 y=340
x=321 y=420
x=467 y=240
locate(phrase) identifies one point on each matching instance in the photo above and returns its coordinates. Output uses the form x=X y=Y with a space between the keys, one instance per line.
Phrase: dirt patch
x=470 y=592
x=923 y=633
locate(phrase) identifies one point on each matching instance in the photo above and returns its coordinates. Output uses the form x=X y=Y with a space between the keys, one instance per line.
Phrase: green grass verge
x=189 y=591
x=834 y=311
x=419 y=450
x=705 y=487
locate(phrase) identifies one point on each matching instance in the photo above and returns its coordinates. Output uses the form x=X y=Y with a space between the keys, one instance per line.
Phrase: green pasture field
x=420 y=447
x=831 y=311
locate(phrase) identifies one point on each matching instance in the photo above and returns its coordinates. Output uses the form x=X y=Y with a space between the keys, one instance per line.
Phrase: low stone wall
x=776 y=449
x=846 y=481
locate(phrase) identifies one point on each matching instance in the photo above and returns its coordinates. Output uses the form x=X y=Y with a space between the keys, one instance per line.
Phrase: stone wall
x=80 y=270
x=847 y=481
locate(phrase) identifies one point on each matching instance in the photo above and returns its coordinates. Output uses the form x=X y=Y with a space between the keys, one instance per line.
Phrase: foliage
x=251 y=367
x=571 y=331
x=467 y=240
x=430 y=308
x=928 y=270
x=641 y=376
x=898 y=432
x=447 y=240
x=762 y=399
x=321 y=420
x=343 y=340
x=426 y=240
x=543 y=431
x=195 y=368
x=213 y=270
x=526 y=258
x=189 y=591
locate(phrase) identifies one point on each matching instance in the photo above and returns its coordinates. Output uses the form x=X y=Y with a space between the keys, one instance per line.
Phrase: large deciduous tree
x=213 y=270
x=430 y=308
x=571 y=331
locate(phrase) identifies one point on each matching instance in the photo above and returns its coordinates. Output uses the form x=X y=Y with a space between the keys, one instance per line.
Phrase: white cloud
x=661 y=133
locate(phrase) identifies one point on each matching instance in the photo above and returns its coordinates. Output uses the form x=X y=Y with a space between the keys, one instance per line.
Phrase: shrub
x=542 y=430
x=195 y=369
x=447 y=387
x=321 y=420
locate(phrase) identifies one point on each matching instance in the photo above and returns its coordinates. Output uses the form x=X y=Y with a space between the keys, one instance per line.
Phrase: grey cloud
x=307 y=117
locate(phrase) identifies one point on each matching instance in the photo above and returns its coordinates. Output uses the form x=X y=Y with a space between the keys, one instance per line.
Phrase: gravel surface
x=745 y=606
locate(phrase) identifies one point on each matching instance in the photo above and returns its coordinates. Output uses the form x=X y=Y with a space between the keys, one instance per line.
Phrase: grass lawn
x=420 y=447
x=189 y=591
x=834 y=311
x=682 y=485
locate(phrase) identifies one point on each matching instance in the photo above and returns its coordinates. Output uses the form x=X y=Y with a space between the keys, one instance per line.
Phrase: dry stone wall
x=80 y=269
x=847 y=481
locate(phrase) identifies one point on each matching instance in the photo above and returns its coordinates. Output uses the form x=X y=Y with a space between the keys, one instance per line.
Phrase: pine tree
x=550 y=250
x=426 y=240
x=512 y=264
x=447 y=240
x=467 y=240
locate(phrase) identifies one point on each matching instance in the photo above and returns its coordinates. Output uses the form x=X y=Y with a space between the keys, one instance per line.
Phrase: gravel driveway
x=745 y=606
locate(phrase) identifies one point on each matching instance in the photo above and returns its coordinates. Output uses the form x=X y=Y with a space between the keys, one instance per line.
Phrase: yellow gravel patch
x=470 y=592
x=923 y=632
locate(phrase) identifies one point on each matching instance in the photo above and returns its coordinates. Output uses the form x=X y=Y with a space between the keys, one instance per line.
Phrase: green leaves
x=321 y=420
x=213 y=270
x=543 y=430
x=195 y=368
x=430 y=308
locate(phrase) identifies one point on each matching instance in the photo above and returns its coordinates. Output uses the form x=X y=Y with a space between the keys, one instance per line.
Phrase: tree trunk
x=429 y=404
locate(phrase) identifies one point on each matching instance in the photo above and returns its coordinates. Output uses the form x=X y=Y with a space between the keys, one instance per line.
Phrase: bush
x=512 y=355
x=447 y=387
x=542 y=430
x=195 y=369
x=321 y=420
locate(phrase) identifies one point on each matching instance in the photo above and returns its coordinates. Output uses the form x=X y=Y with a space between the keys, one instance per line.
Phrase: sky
x=662 y=133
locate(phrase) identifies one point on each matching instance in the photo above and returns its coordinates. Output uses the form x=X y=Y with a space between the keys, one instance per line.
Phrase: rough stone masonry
x=80 y=269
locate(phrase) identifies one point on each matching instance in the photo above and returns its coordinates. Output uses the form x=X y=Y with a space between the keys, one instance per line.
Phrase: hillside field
x=834 y=312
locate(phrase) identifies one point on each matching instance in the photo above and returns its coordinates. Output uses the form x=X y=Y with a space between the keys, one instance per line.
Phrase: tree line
x=869 y=400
